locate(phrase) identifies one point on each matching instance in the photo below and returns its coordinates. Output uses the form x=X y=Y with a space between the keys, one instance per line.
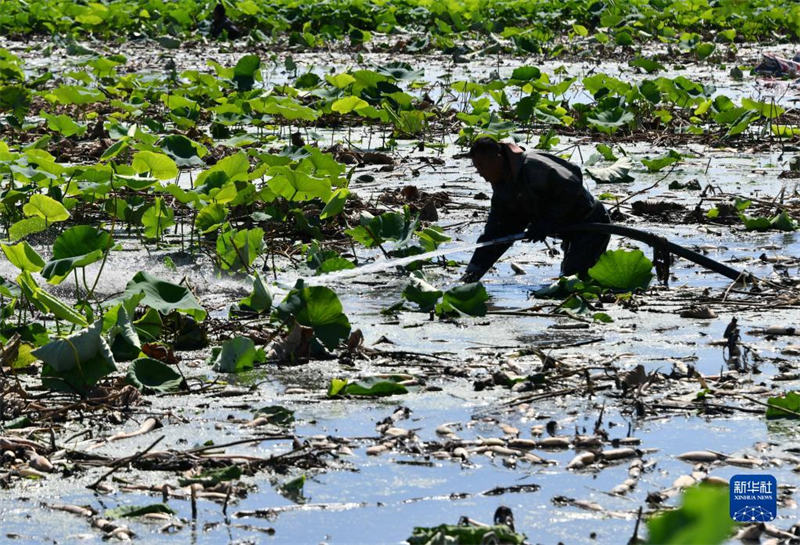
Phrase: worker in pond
x=538 y=193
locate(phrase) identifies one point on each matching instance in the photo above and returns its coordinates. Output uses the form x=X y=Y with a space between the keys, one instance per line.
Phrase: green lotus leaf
x=23 y=257
x=76 y=363
x=157 y=165
x=163 y=296
x=46 y=208
x=623 y=270
x=76 y=247
x=236 y=355
x=151 y=375
x=319 y=308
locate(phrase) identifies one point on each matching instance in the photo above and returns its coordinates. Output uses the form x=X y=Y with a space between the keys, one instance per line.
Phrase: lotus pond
x=190 y=353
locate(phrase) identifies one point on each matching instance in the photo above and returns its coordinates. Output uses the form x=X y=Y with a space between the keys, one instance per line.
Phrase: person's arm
x=483 y=258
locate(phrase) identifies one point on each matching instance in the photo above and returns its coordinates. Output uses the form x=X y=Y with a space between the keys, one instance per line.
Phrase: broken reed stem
x=635 y=537
x=742 y=278
x=646 y=189
x=193 y=490
x=240 y=442
x=538 y=314
x=770 y=405
x=121 y=461
x=227 y=499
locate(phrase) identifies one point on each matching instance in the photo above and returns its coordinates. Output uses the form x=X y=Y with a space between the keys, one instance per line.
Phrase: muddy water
x=378 y=499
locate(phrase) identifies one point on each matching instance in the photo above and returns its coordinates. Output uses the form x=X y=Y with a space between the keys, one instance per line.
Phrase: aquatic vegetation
x=200 y=214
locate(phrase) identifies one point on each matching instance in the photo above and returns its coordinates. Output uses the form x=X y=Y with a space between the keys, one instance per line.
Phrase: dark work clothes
x=582 y=250
x=548 y=192
x=221 y=22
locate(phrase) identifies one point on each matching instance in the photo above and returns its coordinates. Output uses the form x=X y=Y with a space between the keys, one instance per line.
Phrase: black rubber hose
x=660 y=243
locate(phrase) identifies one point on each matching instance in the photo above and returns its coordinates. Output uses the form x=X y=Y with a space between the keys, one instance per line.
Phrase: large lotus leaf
x=704 y=49
x=308 y=80
x=246 y=72
x=648 y=64
x=375 y=230
x=400 y=70
x=77 y=362
x=181 y=106
x=230 y=193
x=366 y=79
x=231 y=168
x=702 y=519
x=783 y=222
x=363 y=234
x=239 y=249
x=76 y=94
x=285 y=107
x=122 y=335
x=157 y=219
x=346 y=105
x=111 y=315
x=741 y=124
x=185 y=152
x=295 y=185
x=769 y=110
x=617 y=172
x=259 y=300
x=335 y=204
x=150 y=375
x=319 y=308
x=656 y=164
x=150 y=326
x=46 y=208
x=759 y=223
x=598 y=82
x=467 y=299
x=76 y=247
x=623 y=270
x=334 y=264
x=525 y=73
x=63 y=124
x=210 y=218
x=340 y=81
x=236 y=355
x=320 y=163
x=566 y=286
x=431 y=237
x=27 y=226
x=46 y=302
x=136 y=183
x=115 y=149
x=23 y=257
x=608 y=121
x=163 y=296
x=15 y=99
x=158 y=165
